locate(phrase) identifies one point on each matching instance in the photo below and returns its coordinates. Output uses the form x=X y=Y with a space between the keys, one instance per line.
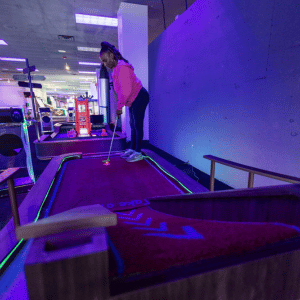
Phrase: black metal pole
x=33 y=104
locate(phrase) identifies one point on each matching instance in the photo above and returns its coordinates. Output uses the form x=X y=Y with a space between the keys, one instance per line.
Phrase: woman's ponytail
x=105 y=47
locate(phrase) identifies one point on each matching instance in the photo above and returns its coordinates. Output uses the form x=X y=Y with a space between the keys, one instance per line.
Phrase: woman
x=131 y=93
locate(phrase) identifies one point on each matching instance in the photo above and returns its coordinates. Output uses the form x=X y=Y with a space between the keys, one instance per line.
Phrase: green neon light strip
x=10 y=254
x=37 y=216
x=169 y=174
x=29 y=163
x=41 y=207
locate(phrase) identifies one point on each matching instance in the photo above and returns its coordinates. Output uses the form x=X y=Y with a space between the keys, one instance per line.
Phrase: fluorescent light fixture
x=58 y=81
x=86 y=72
x=2 y=42
x=86 y=78
x=62 y=51
x=96 y=20
x=12 y=59
x=85 y=82
x=88 y=49
x=89 y=63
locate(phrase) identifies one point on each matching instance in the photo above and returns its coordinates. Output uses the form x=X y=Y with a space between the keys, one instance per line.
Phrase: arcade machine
x=71 y=115
x=82 y=116
x=46 y=120
x=14 y=143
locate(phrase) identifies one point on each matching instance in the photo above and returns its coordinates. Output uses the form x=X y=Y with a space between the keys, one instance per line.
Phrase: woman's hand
x=119 y=112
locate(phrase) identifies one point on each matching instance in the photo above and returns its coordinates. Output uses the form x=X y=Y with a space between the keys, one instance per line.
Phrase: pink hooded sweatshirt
x=126 y=84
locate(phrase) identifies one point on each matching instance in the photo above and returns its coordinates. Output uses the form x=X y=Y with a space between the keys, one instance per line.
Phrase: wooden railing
x=251 y=171
x=7 y=175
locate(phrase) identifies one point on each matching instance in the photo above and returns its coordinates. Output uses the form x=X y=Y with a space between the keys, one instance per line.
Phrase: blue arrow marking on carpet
x=136 y=219
x=147 y=223
x=162 y=227
x=191 y=234
x=130 y=214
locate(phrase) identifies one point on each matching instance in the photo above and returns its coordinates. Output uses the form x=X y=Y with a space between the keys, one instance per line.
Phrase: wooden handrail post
x=250 y=180
x=212 y=175
x=13 y=201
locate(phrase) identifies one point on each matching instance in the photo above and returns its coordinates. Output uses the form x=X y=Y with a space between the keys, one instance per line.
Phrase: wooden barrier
x=252 y=171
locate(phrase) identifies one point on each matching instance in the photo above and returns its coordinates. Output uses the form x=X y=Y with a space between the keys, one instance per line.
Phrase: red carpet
x=121 y=185
x=149 y=241
x=145 y=240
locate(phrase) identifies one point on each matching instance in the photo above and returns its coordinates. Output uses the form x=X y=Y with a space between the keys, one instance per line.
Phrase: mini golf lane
x=120 y=185
x=145 y=240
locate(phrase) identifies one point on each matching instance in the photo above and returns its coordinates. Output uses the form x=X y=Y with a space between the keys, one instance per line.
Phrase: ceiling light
x=12 y=59
x=58 y=81
x=85 y=82
x=86 y=72
x=96 y=20
x=89 y=63
x=62 y=51
x=2 y=42
x=88 y=49
x=86 y=78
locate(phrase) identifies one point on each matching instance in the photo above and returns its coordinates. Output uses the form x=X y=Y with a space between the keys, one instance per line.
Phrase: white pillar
x=133 y=45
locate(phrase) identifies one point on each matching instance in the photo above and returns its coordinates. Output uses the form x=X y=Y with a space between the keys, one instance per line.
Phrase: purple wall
x=225 y=81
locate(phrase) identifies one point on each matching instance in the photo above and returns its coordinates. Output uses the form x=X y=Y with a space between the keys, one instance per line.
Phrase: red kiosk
x=82 y=116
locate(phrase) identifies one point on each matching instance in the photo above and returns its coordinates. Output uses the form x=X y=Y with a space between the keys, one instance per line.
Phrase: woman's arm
x=123 y=85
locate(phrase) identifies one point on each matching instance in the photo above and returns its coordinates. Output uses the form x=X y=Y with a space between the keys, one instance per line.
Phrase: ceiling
x=31 y=29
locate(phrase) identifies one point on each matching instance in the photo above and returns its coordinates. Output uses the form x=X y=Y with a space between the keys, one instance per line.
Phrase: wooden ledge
x=8 y=173
x=77 y=218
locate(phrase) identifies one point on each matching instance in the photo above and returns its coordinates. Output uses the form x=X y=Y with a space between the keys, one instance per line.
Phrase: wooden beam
x=212 y=176
x=251 y=180
x=83 y=217
x=8 y=173
x=13 y=201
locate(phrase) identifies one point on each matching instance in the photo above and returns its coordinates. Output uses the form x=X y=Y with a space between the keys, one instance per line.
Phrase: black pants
x=137 y=114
